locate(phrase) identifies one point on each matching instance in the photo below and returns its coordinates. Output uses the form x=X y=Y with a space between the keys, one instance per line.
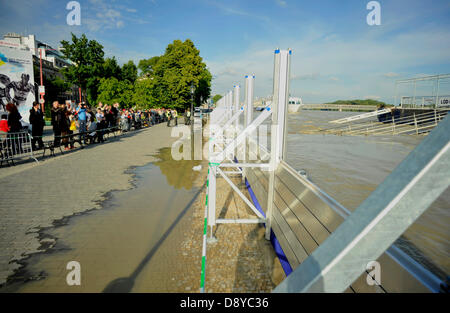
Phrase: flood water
x=127 y=246
x=349 y=168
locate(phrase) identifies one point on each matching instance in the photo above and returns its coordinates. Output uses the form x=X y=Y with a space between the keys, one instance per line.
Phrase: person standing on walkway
x=15 y=126
x=175 y=115
x=38 y=123
x=14 y=118
x=100 y=125
x=55 y=123
x=187 y=120
x=169 y=117
x=153 y=116
x=64 y=125
x=129 y=119
x=115 y=111
x=82 y=119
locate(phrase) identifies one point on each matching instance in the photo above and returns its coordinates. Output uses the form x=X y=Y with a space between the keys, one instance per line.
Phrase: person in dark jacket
x=14 y=118
x=64 y=124
x=38 y=123
x=55 y=123
x=15 y=126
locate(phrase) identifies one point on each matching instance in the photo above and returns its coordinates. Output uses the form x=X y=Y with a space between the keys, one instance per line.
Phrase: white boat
x=294 y=104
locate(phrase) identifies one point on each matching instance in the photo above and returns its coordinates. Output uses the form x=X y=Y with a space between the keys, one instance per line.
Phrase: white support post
x=236 y=102
x=230 y=103
x=248 y=117
x=212 y=196
x=279 y=106
x=437 y=94
x=236 y=109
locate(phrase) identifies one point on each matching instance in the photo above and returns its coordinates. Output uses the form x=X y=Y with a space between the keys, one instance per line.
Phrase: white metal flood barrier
x=226 y=141
x=329 y=267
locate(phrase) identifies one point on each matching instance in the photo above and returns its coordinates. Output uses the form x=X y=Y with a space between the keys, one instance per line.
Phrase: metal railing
x=416 y=123
x=15 y=146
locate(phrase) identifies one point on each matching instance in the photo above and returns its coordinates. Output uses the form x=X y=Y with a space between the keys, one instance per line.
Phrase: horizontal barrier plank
x=297 y=227
x=291 y=238
x=258 y=190
x=326 y=215
x=317 y=230
x=285 y=246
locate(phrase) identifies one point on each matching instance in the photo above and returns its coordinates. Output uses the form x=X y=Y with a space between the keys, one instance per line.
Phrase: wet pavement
x=38 y=197
x=129 y=245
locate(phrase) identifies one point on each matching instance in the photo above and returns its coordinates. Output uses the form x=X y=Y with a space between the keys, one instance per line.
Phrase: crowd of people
x=66 y=119
x=90 y=122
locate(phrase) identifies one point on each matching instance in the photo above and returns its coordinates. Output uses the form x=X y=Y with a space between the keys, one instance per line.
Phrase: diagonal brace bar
x=241 y=137
x=254 y=209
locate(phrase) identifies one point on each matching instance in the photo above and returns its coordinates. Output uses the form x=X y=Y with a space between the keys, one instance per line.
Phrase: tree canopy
x=159 y=81
x=147 y=66
x=359 y=102
x=129 y=72
x=216 y=98
x=175 y=71
x=87 y=57
x=111 y=90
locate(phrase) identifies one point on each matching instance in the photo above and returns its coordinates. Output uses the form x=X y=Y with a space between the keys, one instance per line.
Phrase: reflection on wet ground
x=128 y=245
x=349 y=168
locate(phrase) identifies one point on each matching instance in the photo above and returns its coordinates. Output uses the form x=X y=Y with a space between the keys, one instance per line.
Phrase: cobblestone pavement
x=241 y=260
x=34 y=196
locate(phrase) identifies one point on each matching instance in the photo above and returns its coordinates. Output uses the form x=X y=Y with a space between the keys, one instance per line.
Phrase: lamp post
x=192 y=106
x=42 y=94
x=192 y=121
x=42 y=81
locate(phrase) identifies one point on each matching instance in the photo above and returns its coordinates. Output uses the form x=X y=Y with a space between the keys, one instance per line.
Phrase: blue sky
x=336 y=55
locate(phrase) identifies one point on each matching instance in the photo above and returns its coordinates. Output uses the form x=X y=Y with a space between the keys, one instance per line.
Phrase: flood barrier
x=304 y=219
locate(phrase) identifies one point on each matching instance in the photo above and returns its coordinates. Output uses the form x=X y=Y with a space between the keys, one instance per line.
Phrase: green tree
x=129 y=72
x=175 y=71
x=111 y=68
x=144 y=93
x=87 y=58
x=216 y=98
x=146 y=66
x=111 y=90
x=203 y=90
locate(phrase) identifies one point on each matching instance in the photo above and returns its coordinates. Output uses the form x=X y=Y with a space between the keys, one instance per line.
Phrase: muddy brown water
x=349 y=168
x=129 y=245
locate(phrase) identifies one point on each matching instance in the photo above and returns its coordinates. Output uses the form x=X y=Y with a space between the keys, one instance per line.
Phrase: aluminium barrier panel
x=15 y=146
x=304 y=216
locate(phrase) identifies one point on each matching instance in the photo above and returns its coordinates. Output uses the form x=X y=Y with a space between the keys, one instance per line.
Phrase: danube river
x=349 y=168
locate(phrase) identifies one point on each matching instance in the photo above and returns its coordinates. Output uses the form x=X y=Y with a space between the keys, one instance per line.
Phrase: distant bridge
x=338 y=107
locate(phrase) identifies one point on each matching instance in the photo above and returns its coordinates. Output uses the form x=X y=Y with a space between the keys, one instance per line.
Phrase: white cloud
x=360 y=64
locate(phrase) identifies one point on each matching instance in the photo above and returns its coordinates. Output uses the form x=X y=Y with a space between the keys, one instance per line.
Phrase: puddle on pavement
x=130 y=245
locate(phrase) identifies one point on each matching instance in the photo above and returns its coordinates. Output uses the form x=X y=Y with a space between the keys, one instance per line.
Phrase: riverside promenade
x=36 y=196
